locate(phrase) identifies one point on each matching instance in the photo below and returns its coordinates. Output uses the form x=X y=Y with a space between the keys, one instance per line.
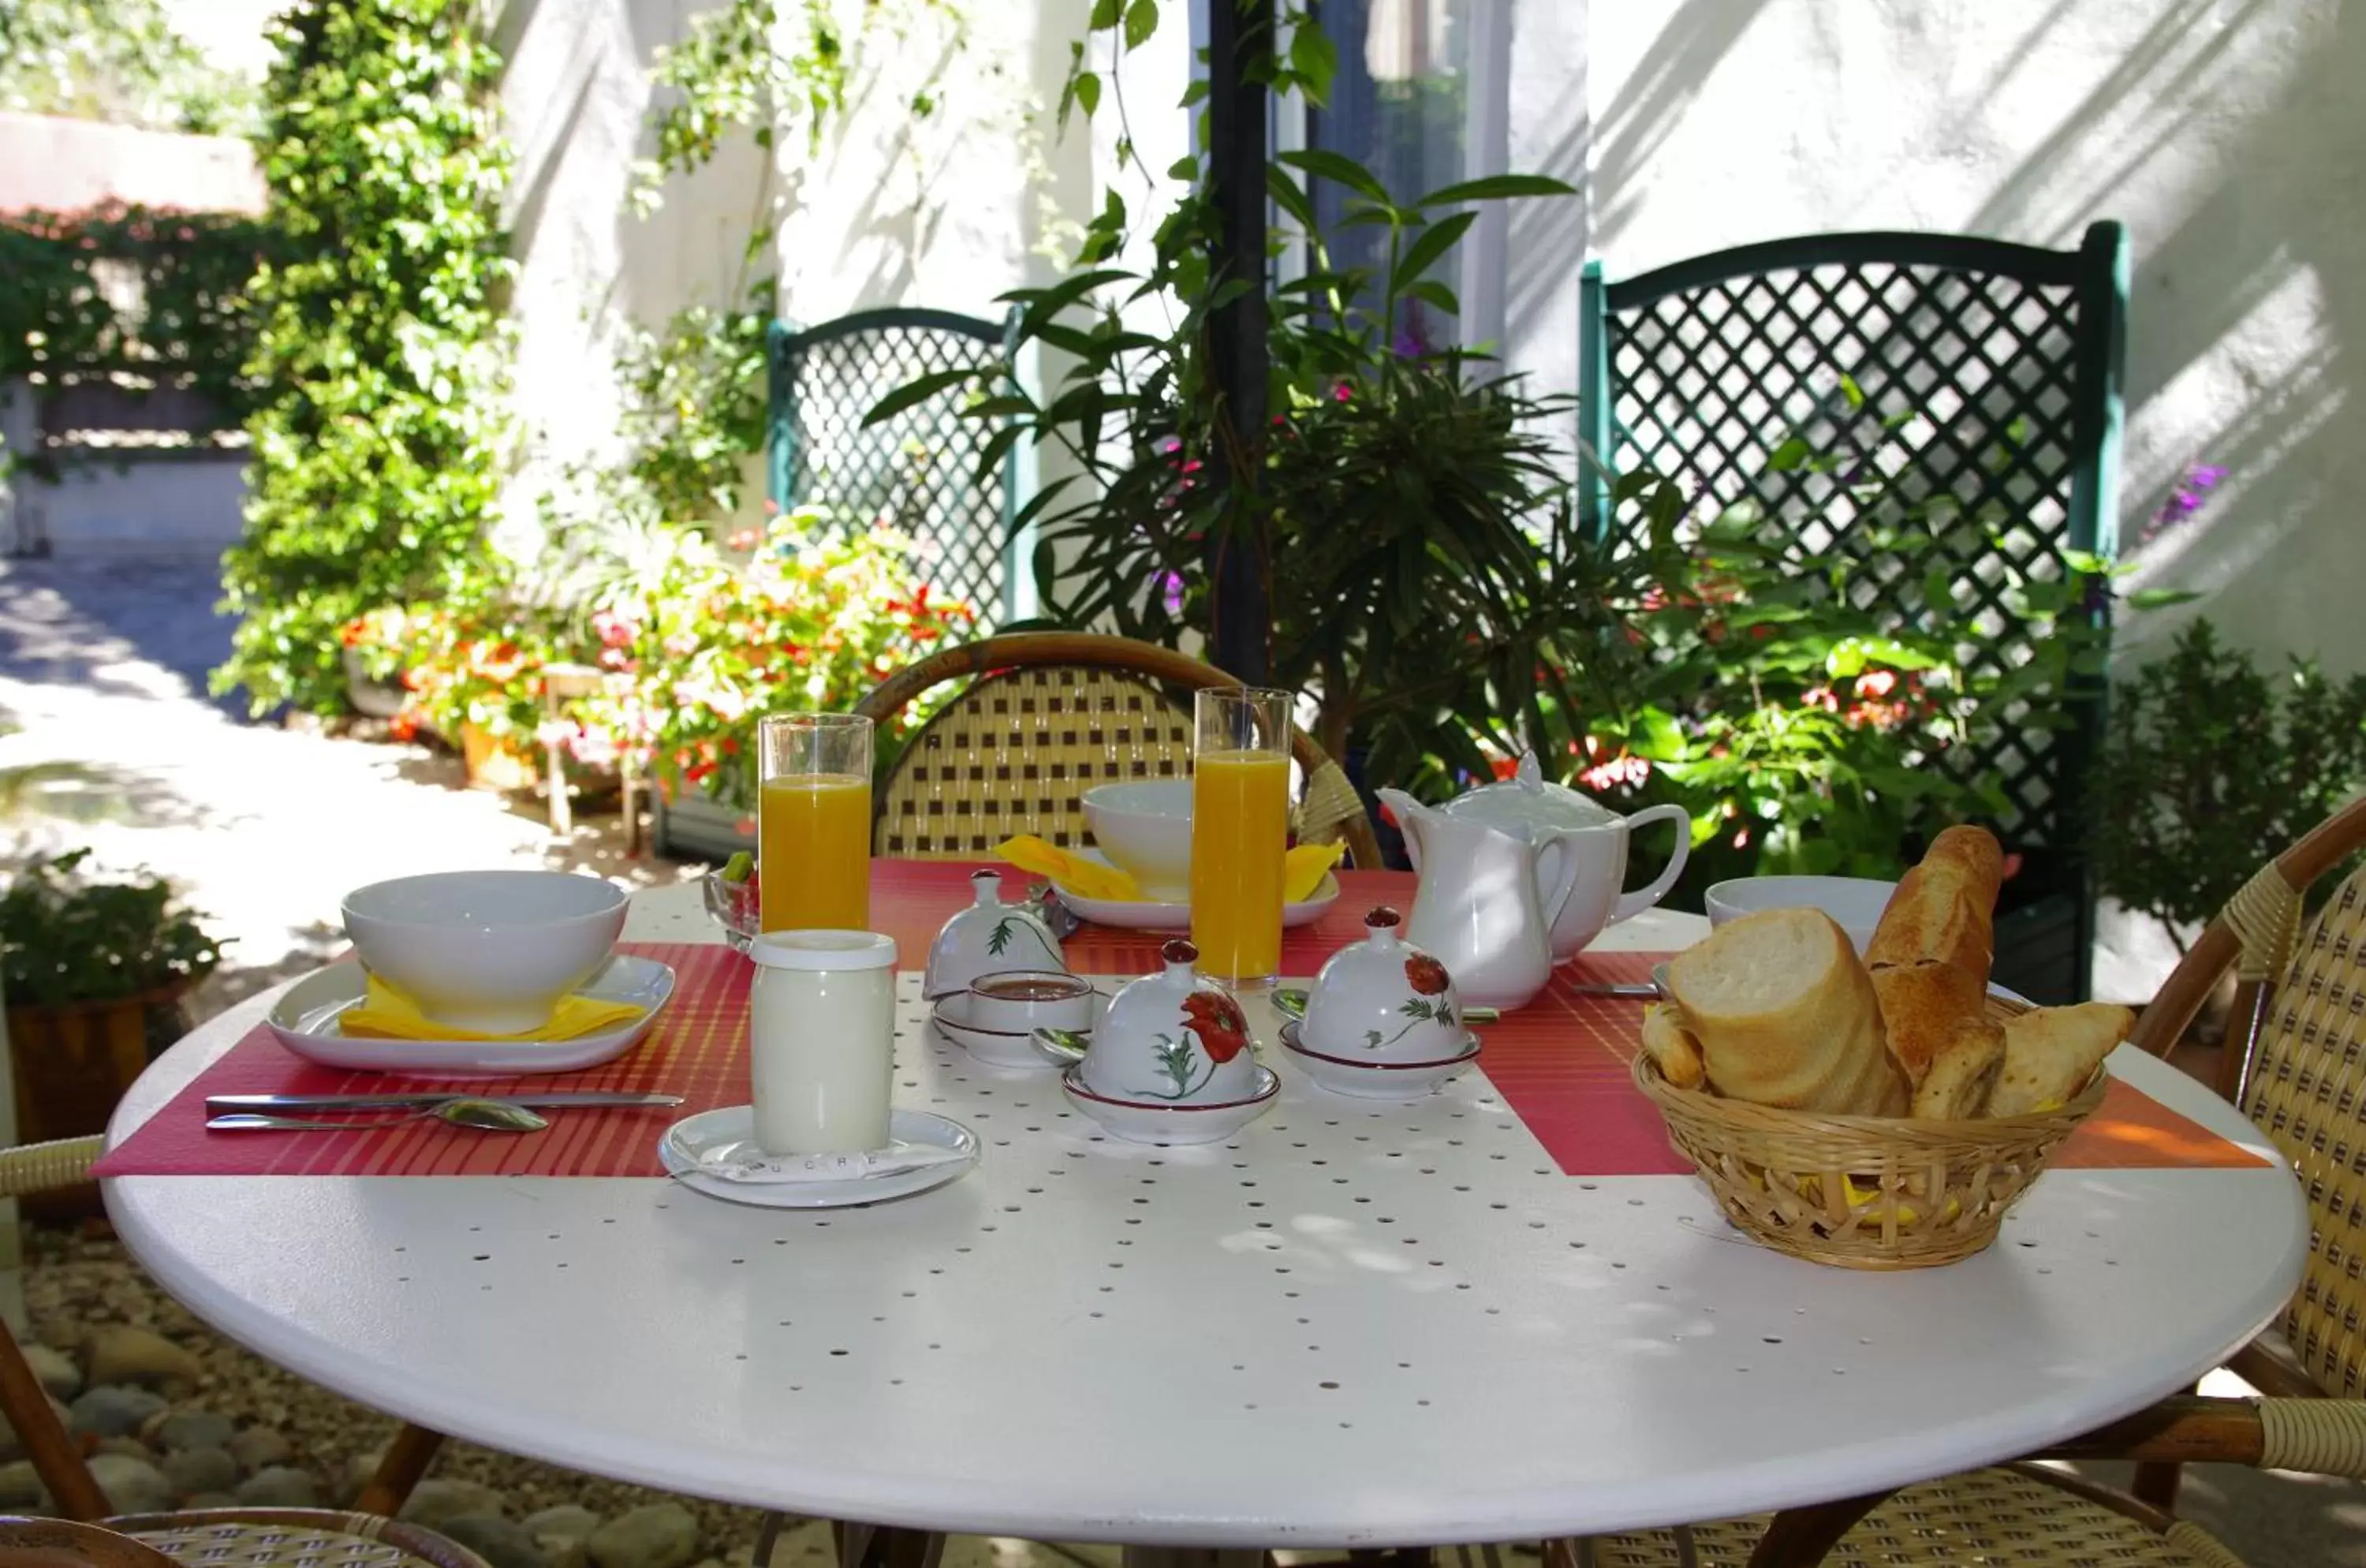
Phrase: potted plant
x=87 y=966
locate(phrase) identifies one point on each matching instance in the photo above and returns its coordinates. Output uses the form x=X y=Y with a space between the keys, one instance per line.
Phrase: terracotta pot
x=71 y=1061
x=496 y=762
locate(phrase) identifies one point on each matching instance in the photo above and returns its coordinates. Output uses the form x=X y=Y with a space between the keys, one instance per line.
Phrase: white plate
x=1155 y=915
x=718 y=1132
x=305 y=1020
x=1000 y=1047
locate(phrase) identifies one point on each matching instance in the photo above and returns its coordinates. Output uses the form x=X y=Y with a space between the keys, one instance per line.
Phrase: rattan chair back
x=1015 y=752
x=1047 y=717
x=2295 y=1064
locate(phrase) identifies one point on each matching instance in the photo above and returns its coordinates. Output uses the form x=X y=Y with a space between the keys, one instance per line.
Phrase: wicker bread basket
x=1863 y=1192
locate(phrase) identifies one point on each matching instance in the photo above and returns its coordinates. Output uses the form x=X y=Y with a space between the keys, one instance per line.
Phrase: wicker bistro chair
x=366 y=1537
x=2296 y=1067
x=1052 y=715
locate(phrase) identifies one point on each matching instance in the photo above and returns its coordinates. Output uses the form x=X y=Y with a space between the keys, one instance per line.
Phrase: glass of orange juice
x=813 y=821
x=1240 y=830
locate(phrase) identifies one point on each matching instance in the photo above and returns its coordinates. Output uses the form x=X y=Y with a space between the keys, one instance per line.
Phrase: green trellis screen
x=915 y=471
x=2011 y=356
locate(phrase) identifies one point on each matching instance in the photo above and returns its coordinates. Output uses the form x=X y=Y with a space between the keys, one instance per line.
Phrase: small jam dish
x=1382 y=1000
x=1171 y=1122
x=1367 y=1080
x=1855 y=903
x=1024 y=999
x=990 y=937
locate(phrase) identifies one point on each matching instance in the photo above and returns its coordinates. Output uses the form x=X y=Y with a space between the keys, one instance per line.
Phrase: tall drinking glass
x=1240 y=830
x=813 y=822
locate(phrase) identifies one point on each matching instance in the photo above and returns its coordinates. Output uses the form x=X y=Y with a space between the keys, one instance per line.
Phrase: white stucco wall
x=2225 y=133
x=945 y=210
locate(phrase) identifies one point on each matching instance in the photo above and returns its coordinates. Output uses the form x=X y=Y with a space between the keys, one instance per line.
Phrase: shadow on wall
x=1651 y=101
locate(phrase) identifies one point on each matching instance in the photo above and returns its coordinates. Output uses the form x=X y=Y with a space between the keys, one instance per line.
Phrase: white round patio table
x=1360 y=1324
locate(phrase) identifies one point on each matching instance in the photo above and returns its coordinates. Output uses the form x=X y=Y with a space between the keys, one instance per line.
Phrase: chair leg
x=56 y=1459
x=886 y=1546
x=406 y=1461
x=2156 y=1483
x=1798 y=1538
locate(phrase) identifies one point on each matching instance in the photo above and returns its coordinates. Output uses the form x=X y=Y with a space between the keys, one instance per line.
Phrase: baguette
x=1923 y=1008
x=1784 y=1015
x=2049 y=1055
x=1944 y=910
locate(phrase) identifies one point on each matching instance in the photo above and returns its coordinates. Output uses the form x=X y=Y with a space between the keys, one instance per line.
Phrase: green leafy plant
x=2211 y=765
x=1423 y=561
x=119 y=61
x=695 y=404
x=185 y=321
x=379 y=459
x=65 y=938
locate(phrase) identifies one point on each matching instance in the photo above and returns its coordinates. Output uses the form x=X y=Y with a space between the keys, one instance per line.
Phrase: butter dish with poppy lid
x=1172 y=1062
x=1383 y=1000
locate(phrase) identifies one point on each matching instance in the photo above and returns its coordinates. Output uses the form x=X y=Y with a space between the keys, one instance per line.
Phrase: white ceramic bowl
x=1145 y=828
x=491 y=951
x=1142 y=1121
x=1855 y=903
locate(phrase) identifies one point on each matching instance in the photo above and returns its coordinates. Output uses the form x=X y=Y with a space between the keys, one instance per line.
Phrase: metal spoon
x=1062 y=1046
x=484 y=1115
x=1291 y=1002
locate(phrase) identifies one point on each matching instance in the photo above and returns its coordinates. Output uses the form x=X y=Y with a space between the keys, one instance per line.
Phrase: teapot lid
x=1526 y=800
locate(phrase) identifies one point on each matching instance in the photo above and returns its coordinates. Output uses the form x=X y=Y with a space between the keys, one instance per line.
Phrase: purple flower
x=1170 y=591
x=2186 y=497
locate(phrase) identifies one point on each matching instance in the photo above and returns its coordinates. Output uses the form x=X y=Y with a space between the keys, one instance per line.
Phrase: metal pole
x=1238 y=31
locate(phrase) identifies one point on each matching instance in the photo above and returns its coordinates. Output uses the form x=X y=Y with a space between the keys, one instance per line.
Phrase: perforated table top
x=1353 y=1324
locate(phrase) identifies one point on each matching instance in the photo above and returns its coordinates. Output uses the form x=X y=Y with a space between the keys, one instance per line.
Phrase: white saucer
x=1000 y=1047
x=1151 y=1121
x=1377 y=1081
x=305 y=1020
x=1175 y=915
x=711 y=1133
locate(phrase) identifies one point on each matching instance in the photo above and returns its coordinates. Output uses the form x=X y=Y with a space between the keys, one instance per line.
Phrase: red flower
x=1217 y=1019
x=1425 y=975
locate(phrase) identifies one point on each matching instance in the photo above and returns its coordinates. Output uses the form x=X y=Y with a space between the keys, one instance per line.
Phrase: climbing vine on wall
x=379 y=455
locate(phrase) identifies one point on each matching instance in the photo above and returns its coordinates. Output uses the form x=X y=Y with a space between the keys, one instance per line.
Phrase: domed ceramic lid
x=1526 y=803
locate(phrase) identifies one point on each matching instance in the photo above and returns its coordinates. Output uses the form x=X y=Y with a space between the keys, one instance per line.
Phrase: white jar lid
x=823 y=950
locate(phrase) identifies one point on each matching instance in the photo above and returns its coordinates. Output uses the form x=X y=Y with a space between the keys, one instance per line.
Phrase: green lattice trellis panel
x=915 y=471
x=1976 y=382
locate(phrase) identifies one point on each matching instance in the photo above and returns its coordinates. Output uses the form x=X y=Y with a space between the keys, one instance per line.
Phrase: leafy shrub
x=2210 y=767
x=67 y=938
x=377 y=462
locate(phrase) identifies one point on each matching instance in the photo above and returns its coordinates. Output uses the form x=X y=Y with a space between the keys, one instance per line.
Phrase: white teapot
x=1561 y=822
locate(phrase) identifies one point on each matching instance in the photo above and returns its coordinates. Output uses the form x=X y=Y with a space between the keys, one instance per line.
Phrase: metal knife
x=222 y=1102
x=1644 y=989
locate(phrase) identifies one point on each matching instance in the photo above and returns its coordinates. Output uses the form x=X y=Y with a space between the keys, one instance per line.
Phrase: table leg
x=1192 y=1557
x=885 y=1546
x=407 y=1458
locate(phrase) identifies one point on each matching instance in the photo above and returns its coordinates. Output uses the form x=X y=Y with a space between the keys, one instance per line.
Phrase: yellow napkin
x=1301 y=870
x=1304 y=868
x=1085 y=878
x=387 y=1014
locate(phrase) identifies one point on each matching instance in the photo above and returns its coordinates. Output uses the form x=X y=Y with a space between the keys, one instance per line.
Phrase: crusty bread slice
x=1963 y=1072
x=1671 y=1046
x=1786 y=1015
x=2050 y=1053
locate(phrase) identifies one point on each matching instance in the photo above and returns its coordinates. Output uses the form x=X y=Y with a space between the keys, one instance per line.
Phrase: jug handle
x=1562 y=881
x=1632 y=904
